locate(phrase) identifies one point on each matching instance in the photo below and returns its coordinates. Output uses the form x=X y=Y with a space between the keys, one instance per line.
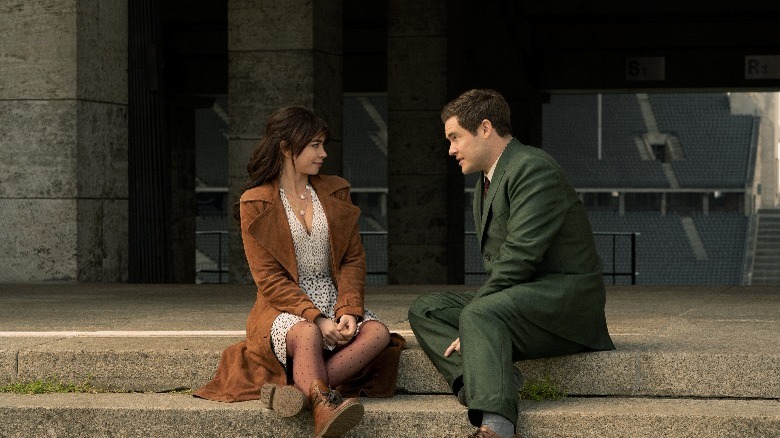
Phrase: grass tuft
x=545 y=388
x=48 y=386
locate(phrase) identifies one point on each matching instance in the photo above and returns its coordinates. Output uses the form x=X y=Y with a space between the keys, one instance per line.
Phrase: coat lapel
x=342 y=217
x=495 y=183
x=476 y=210
x=271 y=229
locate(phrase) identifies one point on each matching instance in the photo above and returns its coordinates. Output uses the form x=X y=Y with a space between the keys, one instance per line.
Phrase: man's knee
x=421 y=306
x=478 y=312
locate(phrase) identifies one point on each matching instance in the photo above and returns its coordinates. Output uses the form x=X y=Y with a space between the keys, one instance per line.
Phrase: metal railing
x=220 y=265
x=614 y=273
x=380 y=269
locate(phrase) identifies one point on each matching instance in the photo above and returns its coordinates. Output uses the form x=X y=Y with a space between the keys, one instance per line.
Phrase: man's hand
x=347 y=326
x=330 y=331
x=455 y=346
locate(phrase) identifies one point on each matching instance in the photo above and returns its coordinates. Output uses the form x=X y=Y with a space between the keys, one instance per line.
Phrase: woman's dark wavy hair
x=289 y=128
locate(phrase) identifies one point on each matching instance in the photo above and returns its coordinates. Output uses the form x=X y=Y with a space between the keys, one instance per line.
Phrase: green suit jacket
x=537 y=247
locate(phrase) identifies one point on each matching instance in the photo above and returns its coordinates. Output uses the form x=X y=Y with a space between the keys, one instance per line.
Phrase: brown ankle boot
x=333 y=415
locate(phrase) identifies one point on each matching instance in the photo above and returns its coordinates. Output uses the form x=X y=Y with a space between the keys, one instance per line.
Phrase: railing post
x=219 y=257
x=614 y=264
x=633 y=258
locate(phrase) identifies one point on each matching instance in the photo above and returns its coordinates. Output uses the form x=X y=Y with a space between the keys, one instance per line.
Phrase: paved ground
x=739 y=318
x=690 y=361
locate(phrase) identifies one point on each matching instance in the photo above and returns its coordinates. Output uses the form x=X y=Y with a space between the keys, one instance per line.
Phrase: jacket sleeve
x=273 y=281
x=536 y=208
x=351 y=281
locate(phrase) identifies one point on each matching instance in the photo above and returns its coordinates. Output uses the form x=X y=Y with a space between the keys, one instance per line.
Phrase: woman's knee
x=304 y=330
x=377 y=330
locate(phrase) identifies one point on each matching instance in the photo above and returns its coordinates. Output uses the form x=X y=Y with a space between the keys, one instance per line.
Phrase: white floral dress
x=312 y=252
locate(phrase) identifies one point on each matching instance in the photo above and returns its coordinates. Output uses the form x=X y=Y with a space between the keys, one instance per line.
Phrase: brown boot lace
x=332 y=397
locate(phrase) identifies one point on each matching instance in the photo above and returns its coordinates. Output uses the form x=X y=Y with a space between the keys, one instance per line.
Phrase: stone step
x=402 y=416
x=769 y=264
x=634 y=369
x=767 y=270
x=767 y=258
x=768 y=250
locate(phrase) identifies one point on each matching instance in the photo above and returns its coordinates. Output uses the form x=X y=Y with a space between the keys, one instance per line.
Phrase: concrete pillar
x=63 y=140
x=766 y=176
x=425 y=199
x=280 y=53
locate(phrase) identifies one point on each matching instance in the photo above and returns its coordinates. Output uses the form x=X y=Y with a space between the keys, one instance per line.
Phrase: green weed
x=48 y=386
x=544 y=388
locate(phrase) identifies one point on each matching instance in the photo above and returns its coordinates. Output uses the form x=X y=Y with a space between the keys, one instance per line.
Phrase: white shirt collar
x=489 y=175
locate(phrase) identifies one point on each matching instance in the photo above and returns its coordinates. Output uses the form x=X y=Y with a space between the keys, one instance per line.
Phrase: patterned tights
x=304 y=344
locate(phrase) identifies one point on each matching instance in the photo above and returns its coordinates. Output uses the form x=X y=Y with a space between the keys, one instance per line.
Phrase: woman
x=308 y=324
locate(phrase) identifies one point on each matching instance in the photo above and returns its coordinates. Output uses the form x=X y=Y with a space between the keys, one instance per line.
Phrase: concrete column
x=63 y=140
x=280 y=53
x=766 y=176
x=425 y=199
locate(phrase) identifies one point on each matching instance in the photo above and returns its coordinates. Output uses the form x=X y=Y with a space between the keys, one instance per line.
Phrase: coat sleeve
x=534 y=194
x=351 y=280
x=273 y=281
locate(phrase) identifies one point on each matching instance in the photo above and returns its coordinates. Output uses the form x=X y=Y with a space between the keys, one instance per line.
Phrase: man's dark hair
x=474 y=106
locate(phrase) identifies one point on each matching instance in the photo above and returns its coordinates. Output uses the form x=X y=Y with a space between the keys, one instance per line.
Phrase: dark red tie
x=485 y=187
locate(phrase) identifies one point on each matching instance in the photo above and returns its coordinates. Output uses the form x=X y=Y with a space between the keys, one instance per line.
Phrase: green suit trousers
x=493 y=335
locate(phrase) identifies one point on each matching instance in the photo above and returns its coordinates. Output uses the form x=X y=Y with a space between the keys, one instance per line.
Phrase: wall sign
x=646 y=69
x=762 y=67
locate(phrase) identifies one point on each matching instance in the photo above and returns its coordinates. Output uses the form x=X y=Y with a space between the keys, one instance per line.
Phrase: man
x=544 y=295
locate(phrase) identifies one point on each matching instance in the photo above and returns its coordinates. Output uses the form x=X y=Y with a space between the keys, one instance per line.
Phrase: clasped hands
x=336 y=334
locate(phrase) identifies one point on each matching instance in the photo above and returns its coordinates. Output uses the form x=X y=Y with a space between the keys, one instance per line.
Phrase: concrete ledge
x=7 y=366
x=629 y=373
x=650 y=417
x=161 y=364
x=168 y=415
x=707 y=341
x=164 y=415
x=133 y=364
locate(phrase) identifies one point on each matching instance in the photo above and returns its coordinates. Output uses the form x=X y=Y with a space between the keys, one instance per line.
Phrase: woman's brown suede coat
x=244 y=367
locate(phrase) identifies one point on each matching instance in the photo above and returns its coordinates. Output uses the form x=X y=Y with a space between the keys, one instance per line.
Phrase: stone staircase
x=690 y=362
x=766 y=259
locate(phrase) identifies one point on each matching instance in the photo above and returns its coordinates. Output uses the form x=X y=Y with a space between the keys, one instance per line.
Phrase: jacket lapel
x=476 y=210
x=271 y=229
x=342 y=217
x=498 y=176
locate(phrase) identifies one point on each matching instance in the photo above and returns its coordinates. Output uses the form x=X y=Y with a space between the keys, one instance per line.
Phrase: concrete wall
x=63 y=141
x=280 y=53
